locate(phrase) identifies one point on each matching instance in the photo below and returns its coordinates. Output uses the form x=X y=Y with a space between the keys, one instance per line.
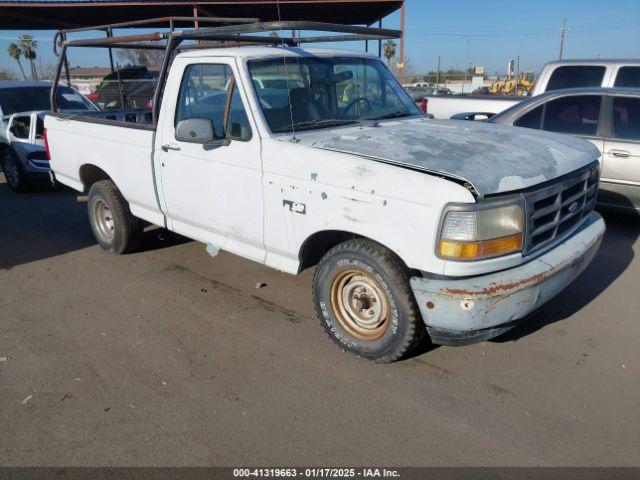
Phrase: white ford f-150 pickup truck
x=416 y=227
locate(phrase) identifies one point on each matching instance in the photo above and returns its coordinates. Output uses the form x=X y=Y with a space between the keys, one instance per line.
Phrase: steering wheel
x=355 y=102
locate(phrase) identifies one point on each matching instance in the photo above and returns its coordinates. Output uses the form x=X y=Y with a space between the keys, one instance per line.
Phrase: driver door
x=211 y=192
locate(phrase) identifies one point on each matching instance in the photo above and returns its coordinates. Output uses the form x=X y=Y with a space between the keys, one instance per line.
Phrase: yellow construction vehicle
x=508 y=87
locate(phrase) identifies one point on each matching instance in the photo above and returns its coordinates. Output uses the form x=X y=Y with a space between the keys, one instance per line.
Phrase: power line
x=583 y=29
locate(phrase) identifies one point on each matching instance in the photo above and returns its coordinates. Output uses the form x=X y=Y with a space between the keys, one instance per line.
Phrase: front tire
x=14 y=172
x=113 y=225
x=364 y=301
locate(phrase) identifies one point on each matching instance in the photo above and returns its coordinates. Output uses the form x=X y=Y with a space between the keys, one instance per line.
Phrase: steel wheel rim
x=103 y=220
x=11 y=172
x=360 y=305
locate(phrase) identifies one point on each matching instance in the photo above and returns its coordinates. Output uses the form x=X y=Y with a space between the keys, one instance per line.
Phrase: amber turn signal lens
x=488 y=248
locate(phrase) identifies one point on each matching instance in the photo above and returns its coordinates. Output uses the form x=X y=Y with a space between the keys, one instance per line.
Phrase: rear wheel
x=113 y=225
x=14 y=172
x=364 y=301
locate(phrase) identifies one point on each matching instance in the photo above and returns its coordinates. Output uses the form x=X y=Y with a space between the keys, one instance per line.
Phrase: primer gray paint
x=493 y=158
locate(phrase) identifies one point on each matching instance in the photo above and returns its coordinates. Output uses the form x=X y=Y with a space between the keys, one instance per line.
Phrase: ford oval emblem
x=574 y=207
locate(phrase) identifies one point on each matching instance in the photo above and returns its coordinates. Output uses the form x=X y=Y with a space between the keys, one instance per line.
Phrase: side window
x=238 y=127
x=628 y=77
x=203 y=94
x=530 y=119
x=20 y=127
x=576 y=76
x=577 y=114
x=626 y=118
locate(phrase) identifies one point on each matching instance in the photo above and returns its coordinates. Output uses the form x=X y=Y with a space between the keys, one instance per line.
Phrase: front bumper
x=469 y=310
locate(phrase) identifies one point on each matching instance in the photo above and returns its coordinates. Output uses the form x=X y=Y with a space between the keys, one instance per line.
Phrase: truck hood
x=492 y=158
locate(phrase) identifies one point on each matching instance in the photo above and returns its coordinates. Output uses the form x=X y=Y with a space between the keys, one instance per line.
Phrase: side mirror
x=195 y=130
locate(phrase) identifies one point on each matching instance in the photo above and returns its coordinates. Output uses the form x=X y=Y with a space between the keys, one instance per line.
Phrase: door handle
x=619 y=153
x=166 y=148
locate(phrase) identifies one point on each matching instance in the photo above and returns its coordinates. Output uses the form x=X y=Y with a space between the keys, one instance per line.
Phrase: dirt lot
x=170 y=357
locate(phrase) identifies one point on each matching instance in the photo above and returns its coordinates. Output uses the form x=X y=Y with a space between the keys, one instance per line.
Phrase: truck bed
x=122 y=150
x=127 y=118
x=445 y=106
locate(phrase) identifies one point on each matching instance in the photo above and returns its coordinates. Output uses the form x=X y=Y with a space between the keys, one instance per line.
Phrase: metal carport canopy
x=56 y=14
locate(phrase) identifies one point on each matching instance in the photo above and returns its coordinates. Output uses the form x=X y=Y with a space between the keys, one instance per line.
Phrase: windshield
x=313 y=92
x=27 y=99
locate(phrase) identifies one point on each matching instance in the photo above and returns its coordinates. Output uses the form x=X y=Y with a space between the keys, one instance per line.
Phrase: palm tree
x=15 y=52
x=389 y=51
x=29 y=46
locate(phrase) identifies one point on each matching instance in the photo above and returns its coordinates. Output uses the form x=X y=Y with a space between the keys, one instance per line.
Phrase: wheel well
x=90 y=174
x=314 y=247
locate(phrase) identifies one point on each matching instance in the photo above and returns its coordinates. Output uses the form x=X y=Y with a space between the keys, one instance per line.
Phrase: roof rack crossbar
x=124 y=46
x=238 y=33
x=337 y=38
x=255 y=27
x=108 y=41
x=228 y=37
x=157 y=20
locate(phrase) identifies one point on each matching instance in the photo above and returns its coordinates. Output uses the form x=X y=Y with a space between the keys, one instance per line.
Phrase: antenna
x=286 y=76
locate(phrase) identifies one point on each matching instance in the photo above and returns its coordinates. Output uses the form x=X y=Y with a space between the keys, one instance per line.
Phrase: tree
x=390 y=48
x=15 y=52
x=47 y=70
x=29 y=46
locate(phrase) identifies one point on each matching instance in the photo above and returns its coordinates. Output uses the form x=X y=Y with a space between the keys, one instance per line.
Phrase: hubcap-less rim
x=11 y=172
x=360 y=305
x=103 y=220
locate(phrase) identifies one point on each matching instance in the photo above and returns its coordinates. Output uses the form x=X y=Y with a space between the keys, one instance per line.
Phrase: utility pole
x=438 y=76
x=517 y=76
x=468 y=65
x=401 y=59
x=563 y=31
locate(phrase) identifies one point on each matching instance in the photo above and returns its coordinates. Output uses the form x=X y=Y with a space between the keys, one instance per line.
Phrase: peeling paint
x=493 y=158
x=324 y=195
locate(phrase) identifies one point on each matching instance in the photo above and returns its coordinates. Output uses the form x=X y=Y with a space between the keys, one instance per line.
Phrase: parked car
x=607 y=117
x=554 y=76
x=22 y=153
x=462 y=228
x=128 y=87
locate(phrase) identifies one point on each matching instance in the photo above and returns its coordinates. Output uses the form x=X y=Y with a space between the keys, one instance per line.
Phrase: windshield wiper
x=398 y=114
x=310 y=124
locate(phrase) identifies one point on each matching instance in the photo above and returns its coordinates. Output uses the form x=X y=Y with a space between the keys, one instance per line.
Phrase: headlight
x=475 y=233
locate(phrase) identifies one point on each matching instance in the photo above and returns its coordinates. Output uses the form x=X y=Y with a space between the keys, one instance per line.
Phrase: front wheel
x=364 y=301
x=113 y=225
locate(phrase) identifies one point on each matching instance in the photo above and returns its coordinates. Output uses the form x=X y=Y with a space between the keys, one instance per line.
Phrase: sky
x=491 y=33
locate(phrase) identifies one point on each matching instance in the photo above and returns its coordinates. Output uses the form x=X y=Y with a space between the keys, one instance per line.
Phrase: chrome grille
x=554 y=211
